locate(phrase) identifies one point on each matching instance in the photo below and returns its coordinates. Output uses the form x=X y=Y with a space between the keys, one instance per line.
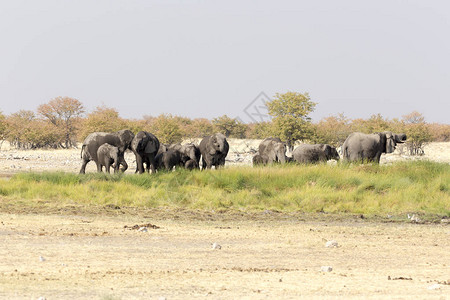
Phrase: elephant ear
x=150 y=147
x=389 y=142
x=126 y=137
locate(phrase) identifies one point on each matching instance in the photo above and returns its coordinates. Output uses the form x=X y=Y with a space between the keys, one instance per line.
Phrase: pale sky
x=209 y=58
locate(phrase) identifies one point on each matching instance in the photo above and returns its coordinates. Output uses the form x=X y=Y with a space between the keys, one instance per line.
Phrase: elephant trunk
x=400 y=138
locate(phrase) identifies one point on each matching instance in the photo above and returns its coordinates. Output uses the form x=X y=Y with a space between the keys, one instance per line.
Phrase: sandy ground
x=89 y=254
x=241 y=153
x=276 y=257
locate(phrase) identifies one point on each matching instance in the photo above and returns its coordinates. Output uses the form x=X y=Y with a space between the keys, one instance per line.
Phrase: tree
x=64 y=113
x=167 y=129
x=26 y=131
x=199 y=128
x=376 y=123
x=439 y=132
x=332 y=130
x=290 y=112
x=417 y=132
x=102 y=119
x=2 y=128
x=229 y=127
x=259 y=130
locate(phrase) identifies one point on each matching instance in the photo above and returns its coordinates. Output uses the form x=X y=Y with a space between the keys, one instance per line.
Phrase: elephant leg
x=151 y=164
x=83 y=166
x=123 y=163
x=139 y=164
x=107 y=168
x=99 y=167
x=209 y=164
x=167 y=165
x=203 y=163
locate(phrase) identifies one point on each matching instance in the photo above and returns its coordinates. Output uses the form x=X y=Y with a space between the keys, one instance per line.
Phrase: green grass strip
x=420 y=186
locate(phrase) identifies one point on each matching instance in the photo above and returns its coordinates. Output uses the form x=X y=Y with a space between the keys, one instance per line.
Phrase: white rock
x=41 y=298
x=216 y=246
x=415 y=218
x=331 y=244
x=326 y=268
x=143 y=229
x=435 y=286
x=41 y=258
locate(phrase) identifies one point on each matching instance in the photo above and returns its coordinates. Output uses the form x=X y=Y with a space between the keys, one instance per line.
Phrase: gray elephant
x=361 y=147
x=162 y=148
x=214 y=150
x=259 y=159
x=274 y=149
x=306 y=153
x=120 y=139
x=188 y=151
x=108 y=156
x=191 y=164
x=169 y=159
x=145 y=146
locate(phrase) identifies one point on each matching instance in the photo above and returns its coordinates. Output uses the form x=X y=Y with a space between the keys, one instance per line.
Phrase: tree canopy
x=291 y=120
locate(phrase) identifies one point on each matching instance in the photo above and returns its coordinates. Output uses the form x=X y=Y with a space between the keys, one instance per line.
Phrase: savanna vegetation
x=420 y=187
x=63 y=122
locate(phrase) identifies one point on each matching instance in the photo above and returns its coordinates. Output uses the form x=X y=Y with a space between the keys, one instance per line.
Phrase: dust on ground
x=114 y=253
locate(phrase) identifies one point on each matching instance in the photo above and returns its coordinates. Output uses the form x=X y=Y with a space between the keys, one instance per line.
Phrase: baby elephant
x=306 y=153
x=169 y=159
x=259 y=159
x=108 y=156
x=191 y=164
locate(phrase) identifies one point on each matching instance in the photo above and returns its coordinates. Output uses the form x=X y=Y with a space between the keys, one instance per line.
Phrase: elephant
x=120 y=139
x=259 y=159
x=108 y=156
x=191 y=164
x=214 y=150
x=361 y=147
x=274 y=149
x=169 y=159
x=306 y=153
x=188 y=151
x=162 y=148
x=145 y=146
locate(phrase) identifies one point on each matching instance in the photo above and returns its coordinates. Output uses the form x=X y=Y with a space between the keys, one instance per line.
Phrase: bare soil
x=241 y=153
x=105 y=253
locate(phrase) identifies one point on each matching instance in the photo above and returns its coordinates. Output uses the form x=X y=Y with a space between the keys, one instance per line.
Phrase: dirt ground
x=93 y=255
x=96 y=253
x=241 y=153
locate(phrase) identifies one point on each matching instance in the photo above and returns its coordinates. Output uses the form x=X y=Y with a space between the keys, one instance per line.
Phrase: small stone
x=143 y=229
x=414 y=218
x=326 y=268
x=41 y=298
x=41 y=258
x=331 y=244
x=445 y=221
x=435 y=286
x=216 y=246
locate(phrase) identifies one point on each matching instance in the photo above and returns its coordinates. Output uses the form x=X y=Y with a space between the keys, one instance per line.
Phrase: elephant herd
x=108 y=149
